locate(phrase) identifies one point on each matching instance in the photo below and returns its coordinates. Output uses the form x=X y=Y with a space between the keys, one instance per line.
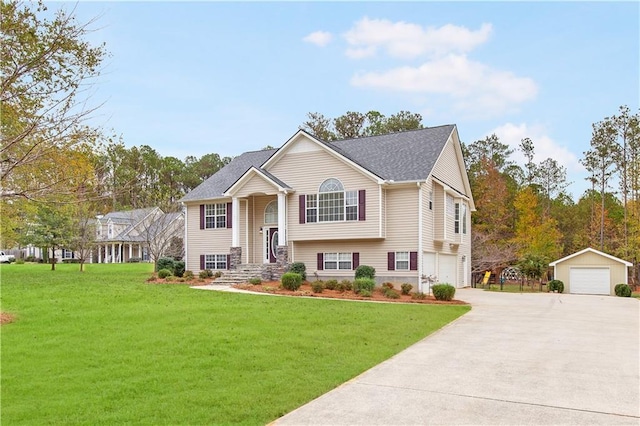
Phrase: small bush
x=443 y=291
x=165 y=263
x=255 y=280
x=20 y=261
x=365 y=271
x=622 y=290
x=164 y=273
x=391 y=293
x=178 y=268
x=205 y=273
x=299 y=268
x=134 y=260
x=555 y=285
x=387 y=285
x=330 y=284
x=340 y=287
x=365 y=293
x=317 y=286
x=406 y=288
x=31 y=259
x=362 y=284
x=291 y=281
x=70 y=260
x=218 y=274
x=188 y=275
x=347 y=285
x=418 y=296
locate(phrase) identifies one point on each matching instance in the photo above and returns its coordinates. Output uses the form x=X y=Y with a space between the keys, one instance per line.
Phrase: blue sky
x=228 y=77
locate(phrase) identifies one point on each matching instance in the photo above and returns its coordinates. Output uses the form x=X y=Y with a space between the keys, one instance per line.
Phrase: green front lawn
x=104 y=347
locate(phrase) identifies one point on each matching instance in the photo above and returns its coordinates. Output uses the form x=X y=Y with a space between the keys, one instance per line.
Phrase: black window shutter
x=229 y=215
x=228 y=261
x=391 y=261
x=362 y=204
x=201 y=216
x=413 y=260
x=320 y=261
x=355 y=257
x=202 y=262
x=302 y=213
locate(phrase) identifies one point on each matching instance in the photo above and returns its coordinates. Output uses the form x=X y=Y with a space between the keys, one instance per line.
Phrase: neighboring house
x=400 y=203
x=591 y=272
x=141 y=234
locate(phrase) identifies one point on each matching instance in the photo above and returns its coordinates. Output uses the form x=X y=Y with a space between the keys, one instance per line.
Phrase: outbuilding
x=590 y=271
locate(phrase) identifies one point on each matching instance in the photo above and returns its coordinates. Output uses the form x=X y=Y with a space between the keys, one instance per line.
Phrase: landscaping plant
x=291 y=281
x=622 y=290
x=443 y=291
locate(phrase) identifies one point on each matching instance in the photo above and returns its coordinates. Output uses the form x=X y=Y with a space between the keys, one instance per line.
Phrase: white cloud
x=319 y=38
x=475 y=88
x=544 y=146
x=406 y=40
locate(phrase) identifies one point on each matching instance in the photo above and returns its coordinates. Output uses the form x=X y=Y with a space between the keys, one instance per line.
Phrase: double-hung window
x=402 y=261
x=215 y=261
x=460 y=218
x=311 y=208
x=215 y=216
x=338 y=261
x=335 y=204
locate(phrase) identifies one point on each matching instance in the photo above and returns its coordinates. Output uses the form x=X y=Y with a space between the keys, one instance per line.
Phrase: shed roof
x=589 y=249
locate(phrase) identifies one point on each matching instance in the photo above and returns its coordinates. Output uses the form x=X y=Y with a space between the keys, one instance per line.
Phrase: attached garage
x=591 y=272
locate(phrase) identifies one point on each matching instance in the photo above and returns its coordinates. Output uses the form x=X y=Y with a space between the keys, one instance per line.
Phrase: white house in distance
x=400 y=203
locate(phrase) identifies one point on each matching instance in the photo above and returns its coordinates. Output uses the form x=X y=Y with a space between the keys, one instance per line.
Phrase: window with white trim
x=67 y=254
x=450 y=205
x=110 y=231
x=460 y=218
x=338 y=261
x=335 y=204
x=430 y=200
x=402 y=261
x=464 y=218
x=215 y=216
x=215 y=261
x=456 y=219
x=311 y=208
x=271 y=212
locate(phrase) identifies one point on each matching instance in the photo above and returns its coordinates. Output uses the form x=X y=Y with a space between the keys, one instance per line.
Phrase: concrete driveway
x=525 y=359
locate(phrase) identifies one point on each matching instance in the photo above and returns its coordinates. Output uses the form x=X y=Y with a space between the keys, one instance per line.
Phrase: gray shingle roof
x=401 y=156
x=215 y=186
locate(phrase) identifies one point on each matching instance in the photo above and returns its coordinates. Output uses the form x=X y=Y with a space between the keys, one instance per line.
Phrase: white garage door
x=447 y=269
x=589 y=281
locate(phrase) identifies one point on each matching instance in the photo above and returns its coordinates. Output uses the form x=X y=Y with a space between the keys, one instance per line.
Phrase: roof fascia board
x=591 y=250
x=300 y=134
x=248 y=175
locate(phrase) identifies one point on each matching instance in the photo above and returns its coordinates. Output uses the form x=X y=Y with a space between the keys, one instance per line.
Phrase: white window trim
x=314 y=198
x=215 y=215
x=407 y=260
x=271 y=205
x=340 y=258
x=213 y=262
x=345 y=205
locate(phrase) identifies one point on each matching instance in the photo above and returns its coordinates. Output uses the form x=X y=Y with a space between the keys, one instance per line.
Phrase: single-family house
x=141 y=234
x=399 y=202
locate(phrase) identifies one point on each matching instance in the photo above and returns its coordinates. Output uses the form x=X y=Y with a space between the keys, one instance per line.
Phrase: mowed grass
x=104 y=347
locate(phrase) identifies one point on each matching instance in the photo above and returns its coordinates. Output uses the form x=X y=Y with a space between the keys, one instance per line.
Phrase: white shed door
x=447 y=269
x=589 y=281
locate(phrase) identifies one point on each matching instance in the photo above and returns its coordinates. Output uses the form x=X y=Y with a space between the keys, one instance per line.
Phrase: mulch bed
x=305 y=290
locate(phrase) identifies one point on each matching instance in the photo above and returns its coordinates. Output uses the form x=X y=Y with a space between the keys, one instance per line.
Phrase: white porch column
x=235 y=222
x=140 y=252
x=113 y=252
x=282 y=223
x=130 y=250
x=99 y=253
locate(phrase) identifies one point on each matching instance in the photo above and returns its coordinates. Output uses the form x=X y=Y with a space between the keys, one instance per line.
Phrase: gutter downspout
x=420 y=237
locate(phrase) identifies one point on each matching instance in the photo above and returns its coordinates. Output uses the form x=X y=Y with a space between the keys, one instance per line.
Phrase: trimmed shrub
x=364 y=284
x=391 y=293
x=622 y=290
x=387 y=285
x=31 y=259
x=330 y=284
x=299 y=268
x=347 y=285
x=165 y=263
x=406 y=288
x=365 y=293
x=164 y=273
x=218 y=274
x=365 y=271
x=134 y=260
x=443 y=291
x=255 y=280
x=317 y=286
x=291 y=281
x=340 y=287
x=418 y=296
x=188 y=275
x=178 y=268
x=20 y=261
x=206 y=273
x=555 y=285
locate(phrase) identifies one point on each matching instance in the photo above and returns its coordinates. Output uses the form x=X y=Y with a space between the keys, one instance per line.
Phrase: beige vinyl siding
x=428 y=218
x=402 y=217
x=590 y=259
x=204 y=241
x=256 y=185
x=439 y=213
x=305 y=172
x=448 y=169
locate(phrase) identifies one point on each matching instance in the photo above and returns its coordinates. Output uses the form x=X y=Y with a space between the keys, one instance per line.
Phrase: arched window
x=271 y=212
x=331 y=185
